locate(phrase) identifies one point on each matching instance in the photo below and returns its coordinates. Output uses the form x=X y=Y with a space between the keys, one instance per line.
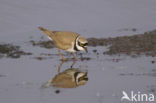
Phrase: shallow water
x=23 y=78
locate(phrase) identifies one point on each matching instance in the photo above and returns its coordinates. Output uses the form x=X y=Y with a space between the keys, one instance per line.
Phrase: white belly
x=70 y=50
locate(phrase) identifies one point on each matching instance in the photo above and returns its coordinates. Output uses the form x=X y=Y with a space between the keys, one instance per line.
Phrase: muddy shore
x=140 y=44
x=12 y=51
x=130 y=45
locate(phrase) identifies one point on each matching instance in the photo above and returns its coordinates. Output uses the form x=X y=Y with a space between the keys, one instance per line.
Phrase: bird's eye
x=80 y=79
x=80 y=44
x=84 y=77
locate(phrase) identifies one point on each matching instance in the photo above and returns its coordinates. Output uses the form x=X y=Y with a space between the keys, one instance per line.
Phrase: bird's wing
x=64 y=81
x=64 y=39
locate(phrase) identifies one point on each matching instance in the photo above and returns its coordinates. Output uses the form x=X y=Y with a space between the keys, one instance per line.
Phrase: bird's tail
x=47 y=32
x=42 y=29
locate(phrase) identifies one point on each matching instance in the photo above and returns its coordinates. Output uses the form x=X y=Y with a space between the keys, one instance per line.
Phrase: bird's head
x=81 y=43
x=81 y=78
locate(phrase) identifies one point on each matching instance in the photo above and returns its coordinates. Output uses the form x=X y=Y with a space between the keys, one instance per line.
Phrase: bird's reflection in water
x=69 y=78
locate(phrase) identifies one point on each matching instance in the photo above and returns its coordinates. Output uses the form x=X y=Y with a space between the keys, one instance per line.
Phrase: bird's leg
x=73 y=64
x=74 y=57
x=59 y=67
x=63 y=59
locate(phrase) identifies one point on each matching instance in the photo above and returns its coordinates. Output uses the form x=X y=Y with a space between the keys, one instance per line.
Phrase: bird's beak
x=85 y=48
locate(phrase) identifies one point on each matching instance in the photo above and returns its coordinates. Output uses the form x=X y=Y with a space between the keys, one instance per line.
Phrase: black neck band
x=75 y=47
x=75 y=76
